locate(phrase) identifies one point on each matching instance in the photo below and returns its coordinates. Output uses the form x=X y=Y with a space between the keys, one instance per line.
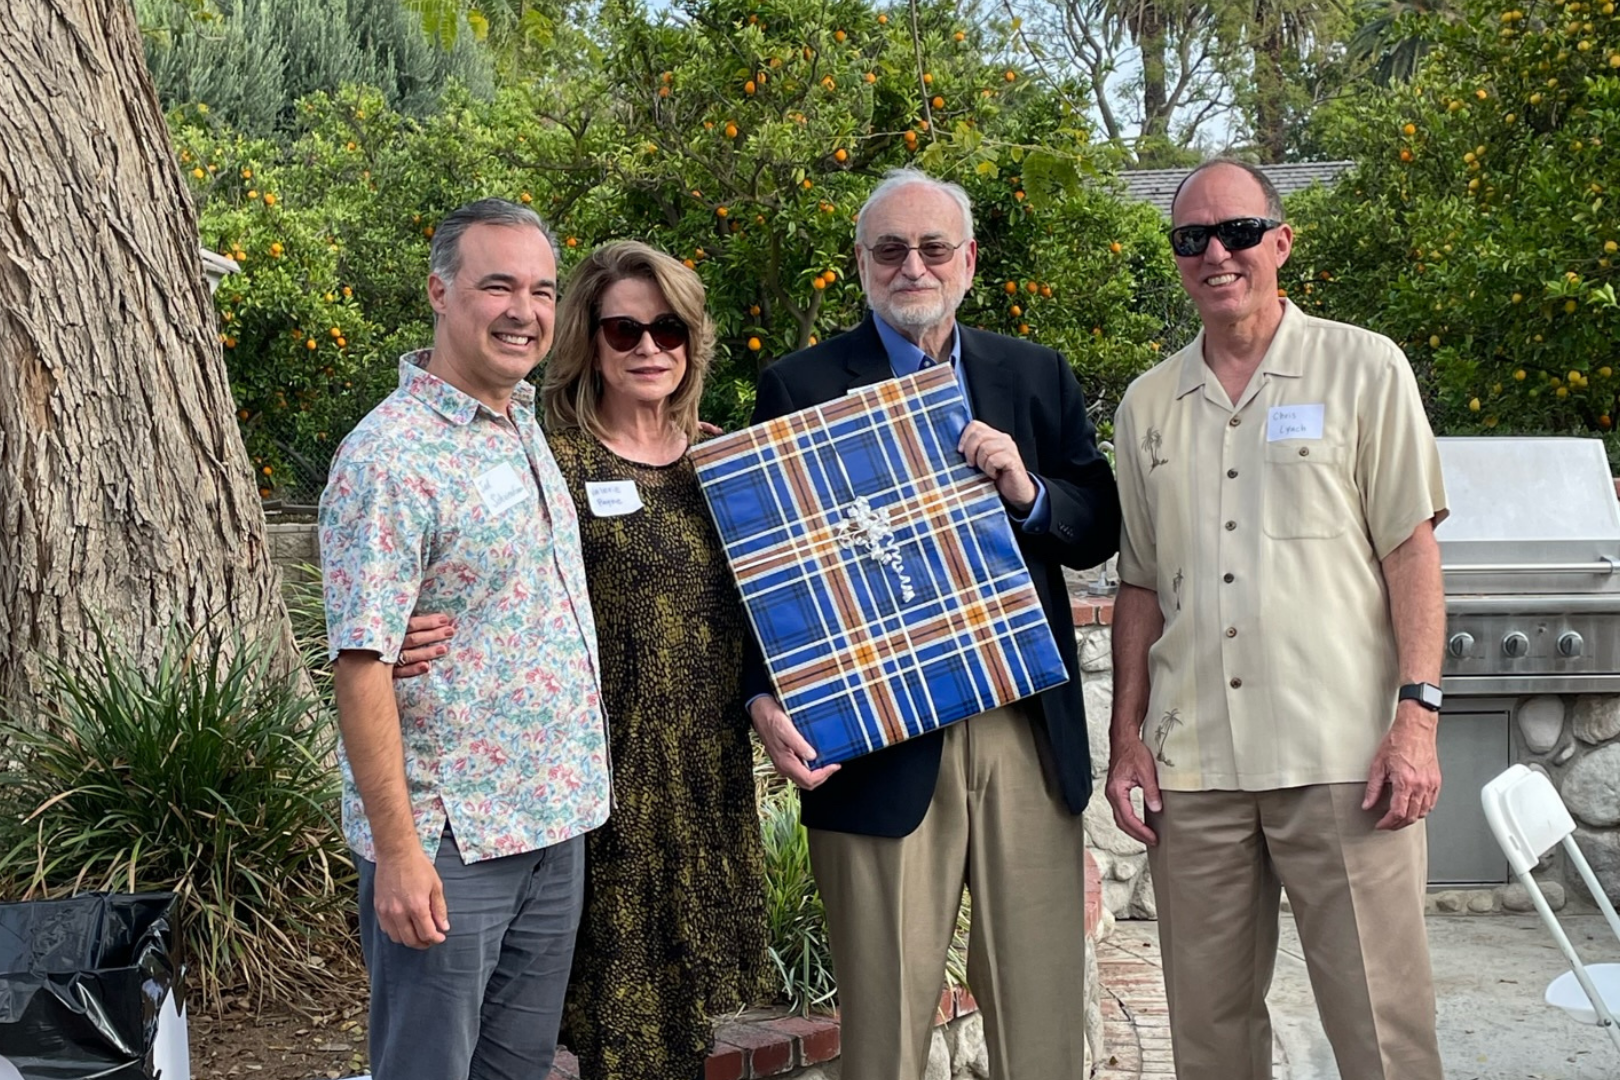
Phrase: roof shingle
x=1158 y=186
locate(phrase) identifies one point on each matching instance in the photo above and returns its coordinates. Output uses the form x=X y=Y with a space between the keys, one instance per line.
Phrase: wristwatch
x=1425 y=694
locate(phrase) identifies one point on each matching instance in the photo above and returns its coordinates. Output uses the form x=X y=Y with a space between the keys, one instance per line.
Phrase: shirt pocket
x=1304 y=491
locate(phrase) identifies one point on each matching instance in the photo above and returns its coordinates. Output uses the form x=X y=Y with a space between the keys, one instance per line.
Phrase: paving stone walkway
x=1136 y=1020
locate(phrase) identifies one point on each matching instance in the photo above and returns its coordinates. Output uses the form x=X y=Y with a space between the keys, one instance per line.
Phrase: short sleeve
x=374 y=531
x=1397 y=460
x=1138 y=558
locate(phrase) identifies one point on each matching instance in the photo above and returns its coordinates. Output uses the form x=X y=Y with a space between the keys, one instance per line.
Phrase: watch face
x=1426 y=694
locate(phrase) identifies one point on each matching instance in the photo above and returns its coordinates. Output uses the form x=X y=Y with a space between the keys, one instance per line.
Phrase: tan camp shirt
x=1261 y=528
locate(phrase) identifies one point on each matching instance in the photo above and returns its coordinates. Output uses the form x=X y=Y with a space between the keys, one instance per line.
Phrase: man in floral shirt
x=466 y=792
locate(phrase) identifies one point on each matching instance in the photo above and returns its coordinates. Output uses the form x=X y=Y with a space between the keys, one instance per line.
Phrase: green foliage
x=793 y=908
x=209 y=776
x=647 y=128
x=797 y=918
x=1479 y=231
x=249 y=61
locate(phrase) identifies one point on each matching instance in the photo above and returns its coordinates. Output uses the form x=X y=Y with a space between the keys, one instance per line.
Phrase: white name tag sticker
x=501 y=488
x=612 y=498
x=1294 y=422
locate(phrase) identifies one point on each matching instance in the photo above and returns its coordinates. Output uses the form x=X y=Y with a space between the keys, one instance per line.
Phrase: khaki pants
x=996 y=825
x=1357 y=897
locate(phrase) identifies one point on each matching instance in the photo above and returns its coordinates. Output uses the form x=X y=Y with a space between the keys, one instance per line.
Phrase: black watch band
x=1425 y=694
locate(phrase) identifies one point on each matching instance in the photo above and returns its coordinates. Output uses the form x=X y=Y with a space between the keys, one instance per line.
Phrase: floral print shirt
x=436 y=504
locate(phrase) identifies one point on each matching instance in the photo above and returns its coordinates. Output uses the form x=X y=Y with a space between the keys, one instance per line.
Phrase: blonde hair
x=571 y=389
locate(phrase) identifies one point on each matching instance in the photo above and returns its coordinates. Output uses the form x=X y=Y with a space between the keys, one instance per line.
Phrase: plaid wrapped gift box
x=879 y=570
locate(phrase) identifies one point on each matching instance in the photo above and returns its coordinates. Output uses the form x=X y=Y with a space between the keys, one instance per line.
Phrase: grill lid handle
x=1604 y=565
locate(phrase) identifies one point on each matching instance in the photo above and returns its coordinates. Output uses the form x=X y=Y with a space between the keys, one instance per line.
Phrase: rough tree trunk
x=126 y=497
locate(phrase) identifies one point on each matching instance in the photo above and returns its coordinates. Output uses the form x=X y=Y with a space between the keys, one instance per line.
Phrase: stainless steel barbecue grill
x=1532 y=565
x=1531 y=552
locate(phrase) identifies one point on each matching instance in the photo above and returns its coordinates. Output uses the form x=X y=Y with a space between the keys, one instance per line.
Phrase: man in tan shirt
x=1277 y=644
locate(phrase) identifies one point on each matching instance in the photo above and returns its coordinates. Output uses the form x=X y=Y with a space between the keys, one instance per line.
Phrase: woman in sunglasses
x=674 y=927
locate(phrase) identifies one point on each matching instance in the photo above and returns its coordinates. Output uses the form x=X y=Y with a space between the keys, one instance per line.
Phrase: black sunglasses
x=624 y=333
x=895 y=252
x=1238 y=234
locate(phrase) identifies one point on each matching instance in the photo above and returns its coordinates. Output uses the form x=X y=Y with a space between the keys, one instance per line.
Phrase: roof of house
x=1158 y=186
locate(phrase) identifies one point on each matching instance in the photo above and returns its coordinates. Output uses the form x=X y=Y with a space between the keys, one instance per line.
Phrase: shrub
x=793 y=908
x=210 y=776
x=798 y=919
x=1478 y=230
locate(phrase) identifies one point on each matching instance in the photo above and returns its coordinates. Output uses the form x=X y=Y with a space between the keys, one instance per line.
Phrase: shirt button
x=1230 y=525
x=1231 y=631
x=1236 y=684
x=1231 y=474
x=1235 y=421
x=1228 y=578
x=1304 y=451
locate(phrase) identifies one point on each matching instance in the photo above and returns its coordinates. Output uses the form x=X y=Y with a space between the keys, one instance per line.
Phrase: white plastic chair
x=1529 y=819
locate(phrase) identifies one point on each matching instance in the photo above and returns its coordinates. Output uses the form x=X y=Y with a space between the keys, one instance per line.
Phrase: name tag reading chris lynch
x=501 y=488
x=1294 y=422
x=612 y=498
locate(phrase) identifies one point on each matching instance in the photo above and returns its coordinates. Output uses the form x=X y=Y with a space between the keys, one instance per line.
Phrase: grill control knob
x=1515 y=644
x=1460 y=644
x=1570 y=644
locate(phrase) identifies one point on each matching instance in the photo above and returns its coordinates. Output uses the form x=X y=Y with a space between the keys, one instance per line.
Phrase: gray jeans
x=485 y=1003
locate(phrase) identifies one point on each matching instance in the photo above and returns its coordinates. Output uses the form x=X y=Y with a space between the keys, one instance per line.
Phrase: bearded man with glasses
x=992 y=802
x=1277 y=644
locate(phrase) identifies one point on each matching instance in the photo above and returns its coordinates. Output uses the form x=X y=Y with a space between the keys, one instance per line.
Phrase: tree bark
x=127 y=501
x=1271 y=89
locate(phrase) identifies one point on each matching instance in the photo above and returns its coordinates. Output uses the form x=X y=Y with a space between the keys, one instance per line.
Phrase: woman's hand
x=426 y=639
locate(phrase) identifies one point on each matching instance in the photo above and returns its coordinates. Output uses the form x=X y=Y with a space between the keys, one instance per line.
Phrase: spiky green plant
x=209 y=774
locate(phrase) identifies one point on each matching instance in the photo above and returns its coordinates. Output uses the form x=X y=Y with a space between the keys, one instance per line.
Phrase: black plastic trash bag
x=83 y=983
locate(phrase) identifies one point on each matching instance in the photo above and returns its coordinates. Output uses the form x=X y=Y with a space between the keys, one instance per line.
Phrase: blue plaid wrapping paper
x=879 y=570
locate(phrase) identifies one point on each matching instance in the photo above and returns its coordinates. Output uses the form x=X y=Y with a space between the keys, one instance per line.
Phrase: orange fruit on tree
x=1032 y=287
x=1011 y=287
x=526 y=198
x=689 y=264
x=840 y=155
x=1018 y=196
x=1406 y=155
x=754 y=344
x=959 y=36
x=870 y=77
x=731 y=130
x=1011 y=75
x=883 y=20
x=806 y=184
x=839 y=36
x=269 y=198
x=572 y=241
x=830 y=275
x=721 y=211
x=1116 y=247
x=818 y=283
x=663 y=91
x=748 y=87
x=928 y=78
x=937 y=102
x=753 y=309
x=1046 y=291
x=1015 y=311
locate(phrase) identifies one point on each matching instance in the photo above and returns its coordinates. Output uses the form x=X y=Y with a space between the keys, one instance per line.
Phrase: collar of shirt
x=904 y=356
x=1281 y=358
x=444 y=399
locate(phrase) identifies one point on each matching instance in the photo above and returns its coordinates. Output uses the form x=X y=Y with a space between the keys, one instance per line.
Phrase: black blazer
x=1030 y=393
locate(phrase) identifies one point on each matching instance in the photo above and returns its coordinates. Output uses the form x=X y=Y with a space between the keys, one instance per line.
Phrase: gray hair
x=444 y=258
x=1274 y=204
x=896 y=179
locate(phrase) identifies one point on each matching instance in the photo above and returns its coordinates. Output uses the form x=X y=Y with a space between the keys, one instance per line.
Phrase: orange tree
x=739 y=138
x=744 y=137
x=1479 y=230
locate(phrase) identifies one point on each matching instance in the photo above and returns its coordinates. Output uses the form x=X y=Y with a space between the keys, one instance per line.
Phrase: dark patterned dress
x=674 y=924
